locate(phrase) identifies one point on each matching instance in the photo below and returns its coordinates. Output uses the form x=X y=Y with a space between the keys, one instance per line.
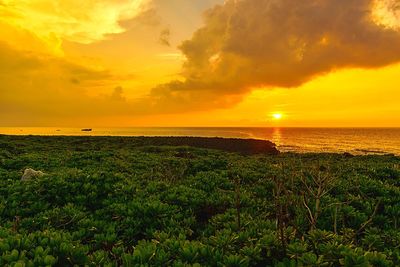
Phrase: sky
x=261 y=63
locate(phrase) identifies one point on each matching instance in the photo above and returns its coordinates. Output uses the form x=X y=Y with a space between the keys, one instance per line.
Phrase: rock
x=31 y=173
x=244 y=146
x=347 y=155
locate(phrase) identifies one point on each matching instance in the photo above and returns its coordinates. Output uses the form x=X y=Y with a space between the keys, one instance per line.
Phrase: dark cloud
x=393 y=5
x=275 y=43
x=74 y=81
x=165 y=36
x=118 y=94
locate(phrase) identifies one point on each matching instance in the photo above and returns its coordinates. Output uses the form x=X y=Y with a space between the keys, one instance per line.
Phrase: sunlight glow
x=277 y=116
x=387 y=13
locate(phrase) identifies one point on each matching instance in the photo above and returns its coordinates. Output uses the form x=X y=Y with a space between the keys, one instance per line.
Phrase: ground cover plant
x=111 y=201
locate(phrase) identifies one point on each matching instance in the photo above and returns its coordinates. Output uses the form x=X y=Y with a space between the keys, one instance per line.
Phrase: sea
x=301 y=140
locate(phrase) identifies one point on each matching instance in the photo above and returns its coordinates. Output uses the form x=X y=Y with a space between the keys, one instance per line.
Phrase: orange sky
x=199 y=63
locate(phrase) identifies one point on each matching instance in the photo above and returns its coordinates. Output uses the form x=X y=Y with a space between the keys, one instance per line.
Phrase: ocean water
x=336 y=140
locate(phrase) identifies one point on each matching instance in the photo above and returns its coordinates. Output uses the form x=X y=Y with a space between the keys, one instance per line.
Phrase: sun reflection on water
x=277 y=136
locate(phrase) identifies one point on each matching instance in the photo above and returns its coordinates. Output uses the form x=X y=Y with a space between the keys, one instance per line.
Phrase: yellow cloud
x=78 y=21
x=387 y=13
x=40 y=89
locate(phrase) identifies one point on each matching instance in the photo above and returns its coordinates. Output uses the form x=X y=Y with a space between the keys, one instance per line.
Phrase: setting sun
x=277 y=116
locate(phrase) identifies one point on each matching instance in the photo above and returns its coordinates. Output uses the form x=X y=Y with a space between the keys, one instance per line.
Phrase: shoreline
x=308 y=140
x=246 y=146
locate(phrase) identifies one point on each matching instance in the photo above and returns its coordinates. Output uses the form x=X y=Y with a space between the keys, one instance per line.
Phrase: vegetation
x=109 y=201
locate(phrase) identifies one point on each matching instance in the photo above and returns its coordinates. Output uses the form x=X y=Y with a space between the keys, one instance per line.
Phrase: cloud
x=76 y=21
x=165 y=36
x=387 y=13
x=118 y=94
x=277 y=43
x=42 y=89
x=149 y=17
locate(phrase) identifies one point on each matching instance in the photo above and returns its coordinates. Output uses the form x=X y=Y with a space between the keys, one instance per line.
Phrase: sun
x=277 y=116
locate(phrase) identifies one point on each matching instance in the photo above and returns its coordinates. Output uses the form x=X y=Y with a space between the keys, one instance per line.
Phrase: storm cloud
x=278 y=43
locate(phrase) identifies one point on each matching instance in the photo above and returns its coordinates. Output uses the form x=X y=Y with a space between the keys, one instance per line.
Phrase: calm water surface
x=353 y=140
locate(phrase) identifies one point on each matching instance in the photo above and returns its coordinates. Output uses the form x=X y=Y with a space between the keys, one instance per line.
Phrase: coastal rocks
x=31 y=173
x=244 y=146
x=347 y=155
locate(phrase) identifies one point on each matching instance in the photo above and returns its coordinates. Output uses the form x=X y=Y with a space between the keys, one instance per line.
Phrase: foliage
x=113 y=201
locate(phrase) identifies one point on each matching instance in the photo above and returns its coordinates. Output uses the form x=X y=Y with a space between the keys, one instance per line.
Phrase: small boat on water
x=87 y=130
